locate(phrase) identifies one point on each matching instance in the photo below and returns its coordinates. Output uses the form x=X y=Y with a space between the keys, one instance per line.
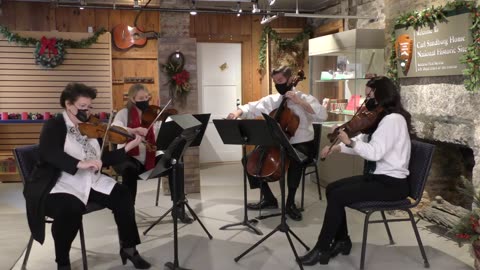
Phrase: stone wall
x=175 y=35
x=442 y=112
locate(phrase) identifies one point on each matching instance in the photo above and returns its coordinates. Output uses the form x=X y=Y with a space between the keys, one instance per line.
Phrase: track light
x=83 y=3
x=255 y=8
x=271 y=2
x=267 y=19
x=193 y=10
x=239 y=9
x=136 y=4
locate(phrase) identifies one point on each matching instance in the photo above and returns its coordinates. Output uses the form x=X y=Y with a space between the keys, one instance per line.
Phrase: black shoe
x=136 y=259
x=263 y=204
x=341 y=246
x=315 y=256
x=182 y=215
x=184 y=218
x=293 y=212
x=64 y=267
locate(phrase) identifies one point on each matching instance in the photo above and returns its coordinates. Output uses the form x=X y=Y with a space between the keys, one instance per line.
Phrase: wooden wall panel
x=29 y=87
x=247 y=30
x=132 y=68
x=32 y=16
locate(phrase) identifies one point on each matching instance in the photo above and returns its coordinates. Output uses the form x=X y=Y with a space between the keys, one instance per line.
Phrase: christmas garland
x=283 y=44
x=431 y=16
x=49 y=52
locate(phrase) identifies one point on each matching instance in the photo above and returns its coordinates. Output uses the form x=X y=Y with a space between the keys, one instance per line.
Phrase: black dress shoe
x=315 y=256
x=341 y=246
x=182 y=215
x=263 y=204
x=184 y=218
x=293 y=212
x=136 y=259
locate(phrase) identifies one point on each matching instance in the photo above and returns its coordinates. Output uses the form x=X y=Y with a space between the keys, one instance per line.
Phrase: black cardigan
x=52 y=161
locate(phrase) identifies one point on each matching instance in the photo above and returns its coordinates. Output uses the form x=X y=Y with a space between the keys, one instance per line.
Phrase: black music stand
x=170 y=163
x=281 y=140
x=167 y=134
x=178 y=125
x=243 y=132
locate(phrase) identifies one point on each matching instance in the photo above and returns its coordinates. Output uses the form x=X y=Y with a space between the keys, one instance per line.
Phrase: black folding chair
x=317 y=129
x=26 y=157
x=420 y=163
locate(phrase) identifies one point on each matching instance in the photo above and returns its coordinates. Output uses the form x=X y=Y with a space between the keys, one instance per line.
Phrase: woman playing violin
x=140 y=159
x=66 y=178
x=308 y=109
x=386 y=151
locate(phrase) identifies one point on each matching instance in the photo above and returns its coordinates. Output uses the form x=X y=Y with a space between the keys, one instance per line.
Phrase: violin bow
x=104 y=142
x=158 y=116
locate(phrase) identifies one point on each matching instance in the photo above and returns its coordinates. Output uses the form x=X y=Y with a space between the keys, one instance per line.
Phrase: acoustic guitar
x=125 y=36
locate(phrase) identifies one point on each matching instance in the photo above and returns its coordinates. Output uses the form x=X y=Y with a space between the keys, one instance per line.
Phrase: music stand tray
x=276 y=137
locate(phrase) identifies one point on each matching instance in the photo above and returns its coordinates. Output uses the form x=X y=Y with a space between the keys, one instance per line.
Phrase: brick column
x=174 y=28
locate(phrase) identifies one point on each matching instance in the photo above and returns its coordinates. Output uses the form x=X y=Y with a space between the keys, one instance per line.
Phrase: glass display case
x=339 y=65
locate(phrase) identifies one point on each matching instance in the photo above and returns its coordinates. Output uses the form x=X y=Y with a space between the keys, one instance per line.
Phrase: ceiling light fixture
x=268 y=18
x=271 y=2
x=83 y=3
x=255 y=8
x=239 y=9
x=136 y=4
x=193 y=11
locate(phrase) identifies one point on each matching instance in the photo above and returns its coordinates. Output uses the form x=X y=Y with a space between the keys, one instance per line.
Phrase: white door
x=219 y=78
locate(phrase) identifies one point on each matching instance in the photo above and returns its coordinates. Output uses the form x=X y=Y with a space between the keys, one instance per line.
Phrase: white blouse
x=267 y=104
x=80 y=184
x=121 y=120
x=389 y=146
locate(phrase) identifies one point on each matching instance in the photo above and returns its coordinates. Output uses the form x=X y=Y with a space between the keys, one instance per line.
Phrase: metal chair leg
x=426 y=264
x=318 y=183
x=387 y=228
x=82 y=246
x=364 y=241
x=27 y=252
x=158 y=191
x=303 y=188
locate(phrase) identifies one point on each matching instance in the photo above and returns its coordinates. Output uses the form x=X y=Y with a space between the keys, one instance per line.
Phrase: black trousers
x=67 y=211
x=351 y=190
x=294 y=174
x=132 y=168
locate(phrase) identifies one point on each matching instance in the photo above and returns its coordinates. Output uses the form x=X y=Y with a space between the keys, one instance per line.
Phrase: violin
x=265 y=162
x=94 y=128
x=155 y=113
x=363 y=121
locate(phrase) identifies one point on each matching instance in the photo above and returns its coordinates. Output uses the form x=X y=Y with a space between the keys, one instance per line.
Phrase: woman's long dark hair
x=388 y=97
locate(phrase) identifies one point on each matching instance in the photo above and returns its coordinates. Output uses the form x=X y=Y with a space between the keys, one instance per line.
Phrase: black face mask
x=371 y=104
x=82 y=115
x=142 y=105
x=283 y=88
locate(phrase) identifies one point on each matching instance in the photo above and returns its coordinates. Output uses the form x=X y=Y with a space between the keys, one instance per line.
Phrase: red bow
x=48 y=44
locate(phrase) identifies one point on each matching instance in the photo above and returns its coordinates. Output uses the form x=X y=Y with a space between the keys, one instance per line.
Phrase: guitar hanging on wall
x=125 y=36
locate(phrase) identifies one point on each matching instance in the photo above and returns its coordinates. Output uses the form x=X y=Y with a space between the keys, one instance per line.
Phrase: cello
x=265 y=162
